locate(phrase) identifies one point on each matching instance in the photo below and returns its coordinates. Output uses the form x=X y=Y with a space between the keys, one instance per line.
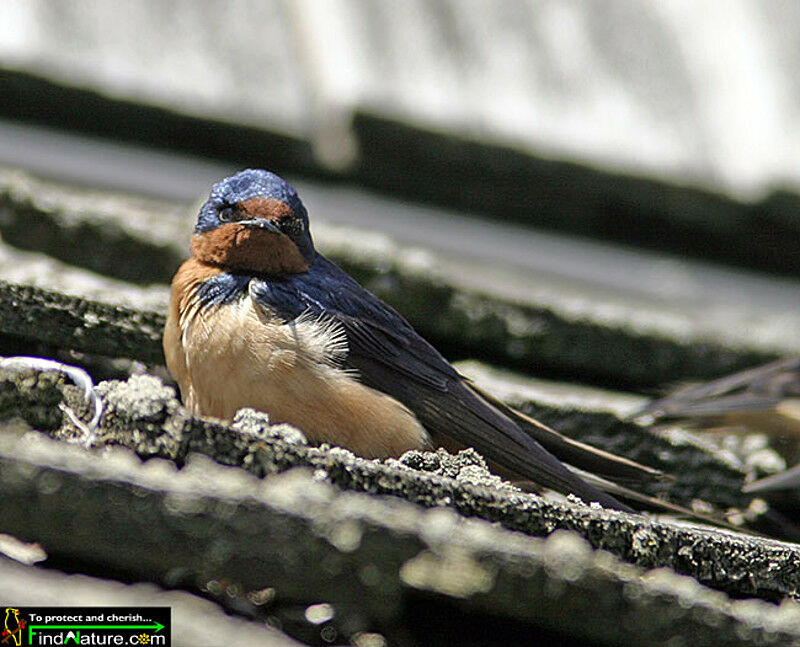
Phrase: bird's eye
x=293 y=227
x=226 y=214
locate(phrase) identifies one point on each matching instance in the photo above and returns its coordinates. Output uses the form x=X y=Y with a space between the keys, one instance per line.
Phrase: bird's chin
x=238 y=247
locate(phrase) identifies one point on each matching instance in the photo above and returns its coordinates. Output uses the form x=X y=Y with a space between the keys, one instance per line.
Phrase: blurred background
x=700 y=94
x=619 y=157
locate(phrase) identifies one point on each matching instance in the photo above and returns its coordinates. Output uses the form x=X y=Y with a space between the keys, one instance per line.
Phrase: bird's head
x=254 y=221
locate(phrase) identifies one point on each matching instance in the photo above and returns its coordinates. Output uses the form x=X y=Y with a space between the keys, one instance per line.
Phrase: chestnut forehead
x=267 y=208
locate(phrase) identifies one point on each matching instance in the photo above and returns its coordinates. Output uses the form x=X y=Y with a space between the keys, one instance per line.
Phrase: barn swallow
x=258 y=318
x=762 y=399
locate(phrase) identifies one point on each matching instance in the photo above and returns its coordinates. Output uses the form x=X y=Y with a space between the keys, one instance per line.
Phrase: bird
x=259 y=318
x=764 y=399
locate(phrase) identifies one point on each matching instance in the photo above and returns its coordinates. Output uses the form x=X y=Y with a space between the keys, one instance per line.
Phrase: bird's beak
x=261 y=223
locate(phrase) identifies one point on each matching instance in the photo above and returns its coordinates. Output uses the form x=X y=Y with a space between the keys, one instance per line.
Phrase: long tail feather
x=575 y=452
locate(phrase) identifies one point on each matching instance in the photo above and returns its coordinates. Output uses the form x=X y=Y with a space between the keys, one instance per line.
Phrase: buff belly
x=241 y=355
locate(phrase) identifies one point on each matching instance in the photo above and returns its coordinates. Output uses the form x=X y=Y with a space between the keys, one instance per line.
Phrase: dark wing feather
x=756 y=389
x=581 y=455
x=391 y=357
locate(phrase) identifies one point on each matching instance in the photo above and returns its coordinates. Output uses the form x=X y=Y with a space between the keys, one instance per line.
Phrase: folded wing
x=391 y=357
